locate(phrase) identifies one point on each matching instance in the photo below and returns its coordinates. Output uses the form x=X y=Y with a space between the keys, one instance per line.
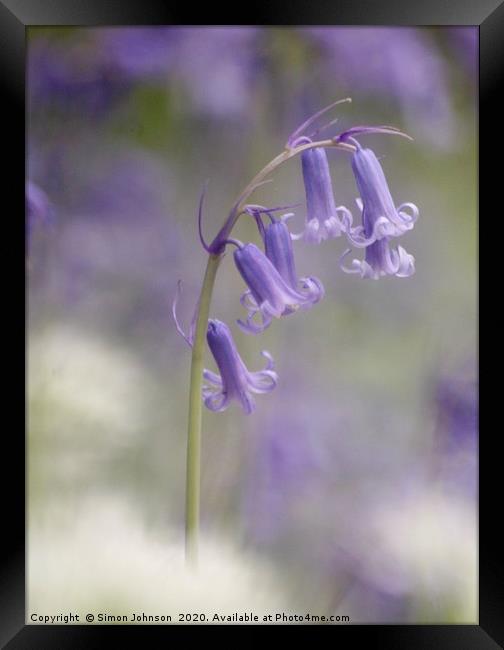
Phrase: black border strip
x=296 y=12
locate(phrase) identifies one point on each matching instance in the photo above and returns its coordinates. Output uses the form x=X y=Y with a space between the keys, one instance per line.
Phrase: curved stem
x=195 y=404
x=287 y=154
x=290 y=153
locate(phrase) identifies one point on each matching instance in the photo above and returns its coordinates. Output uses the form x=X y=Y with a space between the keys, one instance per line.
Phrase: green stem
x=193 y=479
x=195 y=406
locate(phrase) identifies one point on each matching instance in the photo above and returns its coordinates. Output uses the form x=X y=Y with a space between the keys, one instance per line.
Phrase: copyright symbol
x=89 y=618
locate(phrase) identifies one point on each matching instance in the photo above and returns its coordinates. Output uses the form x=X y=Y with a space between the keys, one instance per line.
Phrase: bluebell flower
x=235 y=381
x=277 y=241
x=269 y=294
x=381 y=221
x=322 y=215
x=279 y=250
x=381 y=260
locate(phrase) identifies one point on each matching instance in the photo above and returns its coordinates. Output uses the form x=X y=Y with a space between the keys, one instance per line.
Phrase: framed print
x=251 y=371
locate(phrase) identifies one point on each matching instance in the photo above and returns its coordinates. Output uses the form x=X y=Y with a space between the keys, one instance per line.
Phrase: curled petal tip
x=271 y=362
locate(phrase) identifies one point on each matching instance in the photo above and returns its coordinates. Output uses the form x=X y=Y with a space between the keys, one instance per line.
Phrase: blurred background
x=353 y=485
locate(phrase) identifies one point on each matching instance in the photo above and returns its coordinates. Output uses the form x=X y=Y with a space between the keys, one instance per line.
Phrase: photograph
x=251 y=262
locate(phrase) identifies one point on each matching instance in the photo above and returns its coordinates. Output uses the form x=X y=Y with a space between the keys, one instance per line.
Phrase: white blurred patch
x=78 y=383
x=423 y=545
x=102 y=559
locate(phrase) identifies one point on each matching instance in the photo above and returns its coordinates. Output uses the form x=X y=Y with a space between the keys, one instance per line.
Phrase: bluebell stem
x=381 y=221
x=269 y=295
x=235 y=380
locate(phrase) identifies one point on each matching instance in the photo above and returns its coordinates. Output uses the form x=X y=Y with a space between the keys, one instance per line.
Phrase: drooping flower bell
x=278 y=249
x=277 y=241
x=381 y=260
x=235 y=381
x=322 y=215
x=272 y=292
x=381 y=221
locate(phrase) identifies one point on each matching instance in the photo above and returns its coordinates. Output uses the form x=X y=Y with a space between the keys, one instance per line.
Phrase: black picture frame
x=15 y=17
